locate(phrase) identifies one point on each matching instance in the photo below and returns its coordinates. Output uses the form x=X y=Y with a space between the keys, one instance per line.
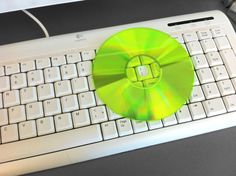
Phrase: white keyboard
x=50 y=115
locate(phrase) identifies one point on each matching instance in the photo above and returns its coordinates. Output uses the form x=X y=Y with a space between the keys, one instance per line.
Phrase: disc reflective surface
x=143 y=74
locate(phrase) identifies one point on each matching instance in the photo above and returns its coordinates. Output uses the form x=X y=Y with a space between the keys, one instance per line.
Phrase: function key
x=2 y=73
x=88 y=55
x=58 y=60
x=189 y=37
x=204 y=34
x=43 y=63
x=217 y=32
x=73 y=58
x=27 y=66
x=12 y=69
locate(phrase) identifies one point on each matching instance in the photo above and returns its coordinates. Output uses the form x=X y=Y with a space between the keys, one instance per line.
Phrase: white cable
x=38 y=22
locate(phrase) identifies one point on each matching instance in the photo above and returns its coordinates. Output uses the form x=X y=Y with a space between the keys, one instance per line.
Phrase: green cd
x=143 y=74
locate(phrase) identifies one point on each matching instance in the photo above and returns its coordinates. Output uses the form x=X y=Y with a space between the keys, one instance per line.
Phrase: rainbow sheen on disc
x=143 y=74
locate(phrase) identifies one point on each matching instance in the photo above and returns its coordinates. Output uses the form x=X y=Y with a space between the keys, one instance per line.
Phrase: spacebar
x=50 y=143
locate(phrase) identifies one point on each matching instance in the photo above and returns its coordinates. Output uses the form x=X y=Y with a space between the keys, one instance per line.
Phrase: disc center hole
x=143 y=71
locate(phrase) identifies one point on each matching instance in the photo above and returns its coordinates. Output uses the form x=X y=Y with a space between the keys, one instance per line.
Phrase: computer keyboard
x=50 y=114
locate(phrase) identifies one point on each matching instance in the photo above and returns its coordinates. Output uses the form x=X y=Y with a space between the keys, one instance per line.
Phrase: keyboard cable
x=45 y=31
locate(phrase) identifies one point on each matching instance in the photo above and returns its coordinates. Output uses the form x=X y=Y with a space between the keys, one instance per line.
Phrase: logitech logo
x=80 y=37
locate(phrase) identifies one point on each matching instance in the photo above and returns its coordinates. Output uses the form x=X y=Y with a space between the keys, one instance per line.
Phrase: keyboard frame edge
x=70 y=42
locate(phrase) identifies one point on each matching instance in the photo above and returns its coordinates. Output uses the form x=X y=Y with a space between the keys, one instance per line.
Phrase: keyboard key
x=199 y=61
x=98 y=114
x=34 y=110
x=222 y=43
x=183 y=114
x=217 y=32
x=88 y=55
x=196 y=81
x=18 y=81
x=208 y=45
x=205 y=75
x=214 y=107
x=124 y=127
x=28 y=95
x=52 y=107
x=45 y=91
x=4 y=83
x=12 y=69
x=229 y=59
x=197 y=94
x=11 y=98
x=219 y=72
x=52 y=74
x=62 y=88
x=226 y=87
x=91 y=83
x=189 y=37
x=210 y=90
x=69 y=103
x=27 y=129
x=81 y=118
x=73 y=58
x=17 y=114
x=194 y=48
x=155 y=124
x=9 y=133
x=63 y=122
x=79 y=85
x=35 y=77
x=3 y=117
x=171 y=120
x=27 y=66
x=58 y=60
x=139 y=126
x=68 y=71
x=43 y=63
x=86 y=100
x=197 y=111
x=84 y=68
x=45 y=126
x=2 y=71
x=214 y=59
x=230 y=102
x=204 y=34
x=109 y=130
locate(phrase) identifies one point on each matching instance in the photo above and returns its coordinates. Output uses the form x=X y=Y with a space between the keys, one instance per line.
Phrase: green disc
x=143 y=74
